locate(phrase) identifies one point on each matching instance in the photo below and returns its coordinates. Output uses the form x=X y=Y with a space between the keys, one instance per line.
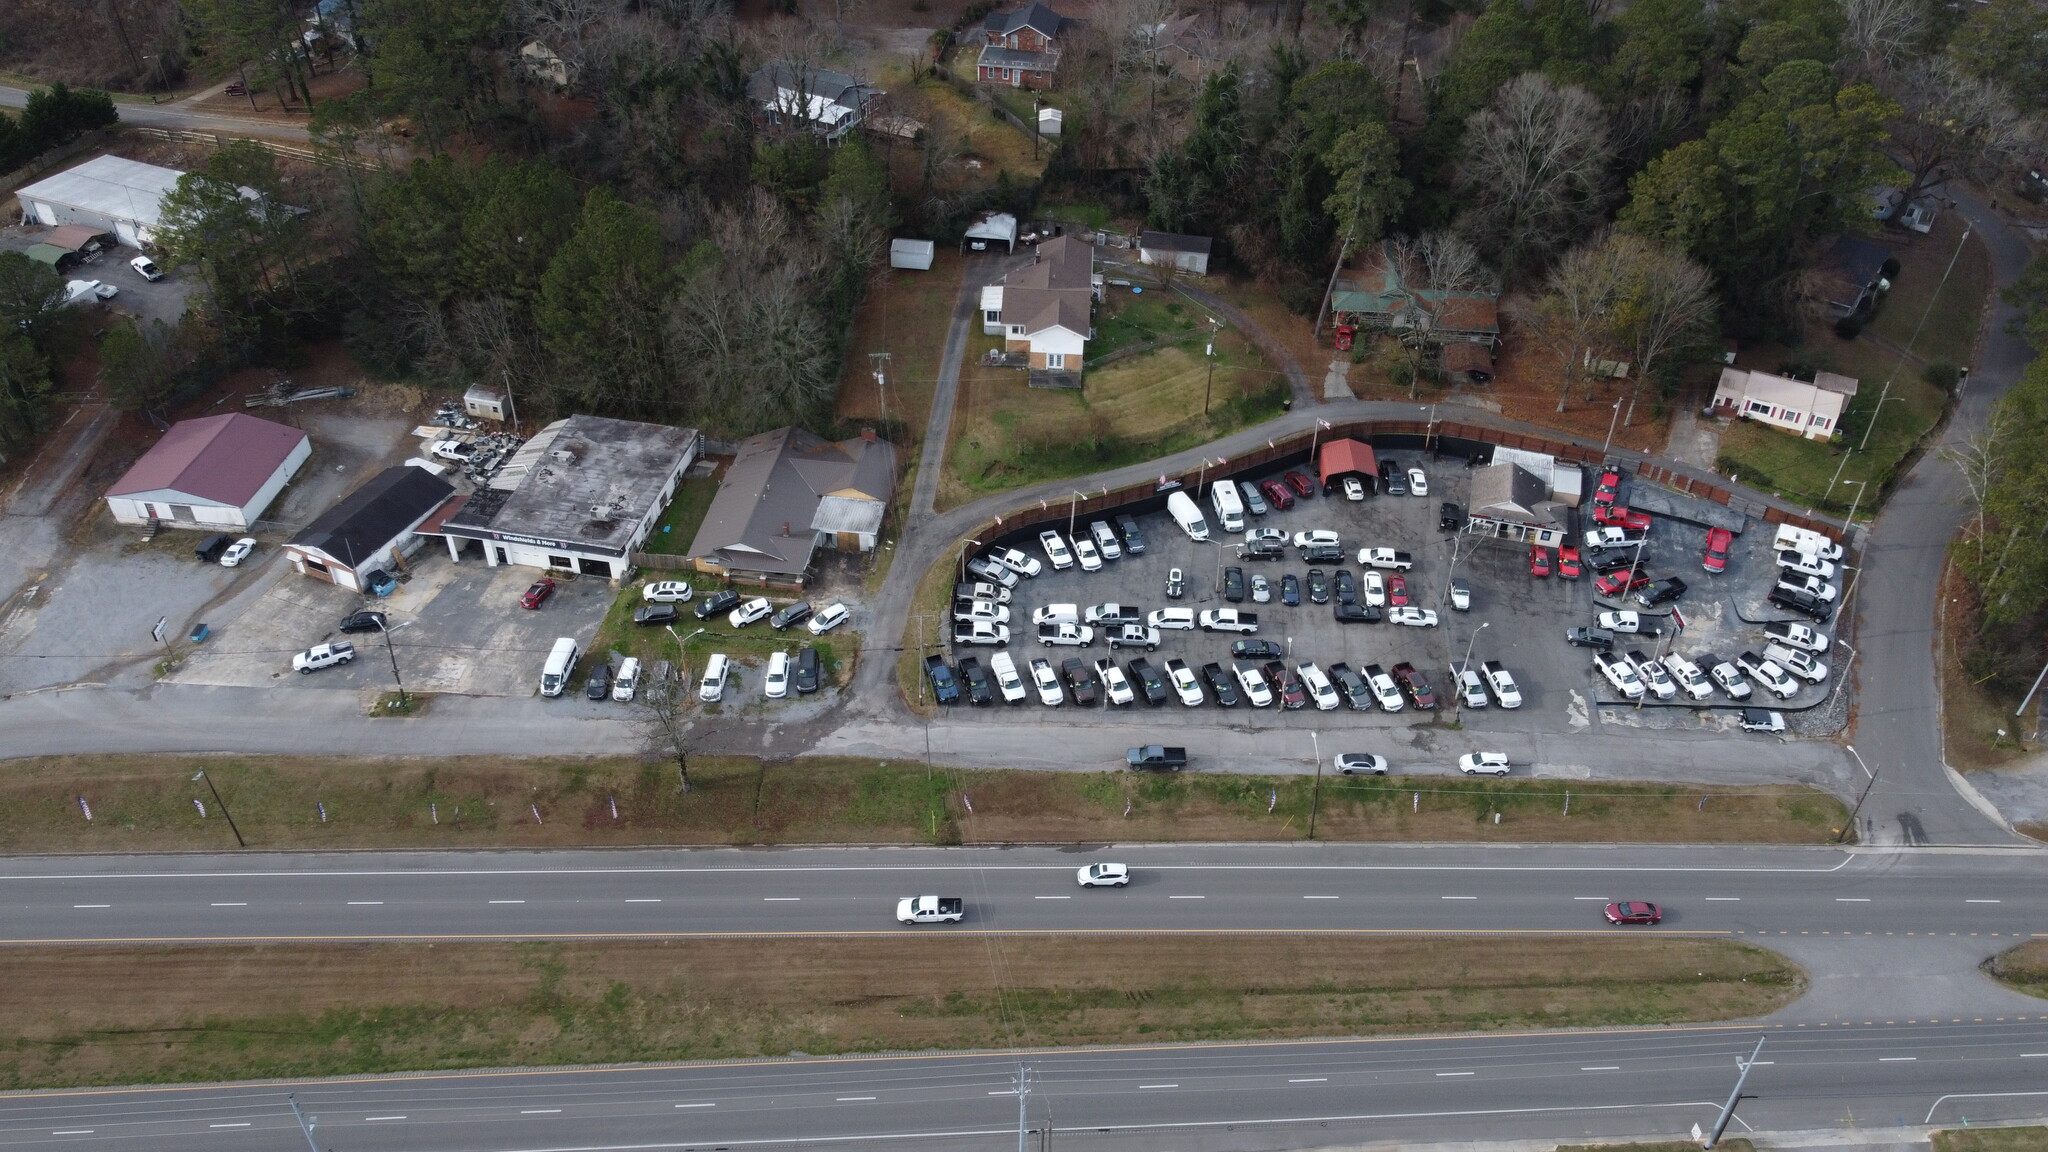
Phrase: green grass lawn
x=1127 y=319
x=1992 y=1140
x=685 y=514
x=1800 y=470
x=1951 y=327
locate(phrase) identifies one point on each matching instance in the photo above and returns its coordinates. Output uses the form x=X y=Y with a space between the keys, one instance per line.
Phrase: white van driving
x=555 y=673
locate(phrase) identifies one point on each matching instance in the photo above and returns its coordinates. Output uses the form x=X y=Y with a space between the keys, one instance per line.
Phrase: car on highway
x=1568 y=565
x=1047 y=682
x=1633 y=912
x=1539 y=561
x=993 y=570
x=1416 y=686
x=931 y=910
x=1055 y=548
x=1484 y=764
x=827 y=618
x=1016 y=561
x=1795 y=635
x=1103 y=876
x=1221 y=683
x=756 y=609
x=323 y=656
x=536 y=594
x=1360 y=764
x=716 y=604
x=667 y=592
x=1008 y=683
x=238 y=552
x=1412 y=617
x=1185 y=686
x=1147 y=681
x=1719 y=540
x=1498 y=678
x=1385 y=692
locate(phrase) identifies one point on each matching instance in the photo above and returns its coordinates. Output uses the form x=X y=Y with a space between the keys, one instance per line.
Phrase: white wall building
x=1810 y=410
x=109 y=193
x=213 y=473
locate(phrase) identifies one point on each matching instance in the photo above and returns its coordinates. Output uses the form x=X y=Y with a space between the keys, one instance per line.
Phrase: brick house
x=1021 y=48
x=1044 y=310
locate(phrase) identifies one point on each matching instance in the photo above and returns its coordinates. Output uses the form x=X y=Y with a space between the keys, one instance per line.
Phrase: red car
x=1539 y=561
x=1634 y=912
x=1568 y=564
x=1617 y=584
x=1280 y=495
x=1718 y=542
x=1301 y=482
x=1616 y=516
x=1397 y=592
x=538 y=594
x=1610 y=488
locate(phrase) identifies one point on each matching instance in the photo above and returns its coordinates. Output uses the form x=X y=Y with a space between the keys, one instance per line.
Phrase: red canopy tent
x=1337 y=457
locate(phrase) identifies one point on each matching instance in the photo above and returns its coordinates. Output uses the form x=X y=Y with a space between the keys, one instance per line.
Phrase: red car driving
x=1634 y=912
x=1568 y=567
x=1539 y=561
x=538 y=594
x=1718 y=542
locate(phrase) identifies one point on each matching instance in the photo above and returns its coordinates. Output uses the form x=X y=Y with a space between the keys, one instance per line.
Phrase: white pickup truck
x=931 y=910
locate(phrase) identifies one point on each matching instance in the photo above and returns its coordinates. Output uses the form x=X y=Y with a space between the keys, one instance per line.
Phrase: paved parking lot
x=1515 y=618
x=164 y=300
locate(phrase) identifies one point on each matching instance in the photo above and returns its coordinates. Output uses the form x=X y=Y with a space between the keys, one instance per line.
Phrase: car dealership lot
x=1518 y=619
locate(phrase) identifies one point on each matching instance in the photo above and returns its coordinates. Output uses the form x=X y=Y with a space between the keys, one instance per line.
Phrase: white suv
x=712 y=688
x=777 y=680
x=756 y=609
x=1483 y=763
x=668 y=592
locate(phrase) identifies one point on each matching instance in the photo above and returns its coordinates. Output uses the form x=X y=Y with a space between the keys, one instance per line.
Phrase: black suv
x=363 y=622
x=1265 y=550
x=651 y=615
x=717 y=602
x=1393 y=481
x=1322 y=554
x=1812 y=607
x=1449 y=517
x=1233 y=585
x=1662 y=592
x=806 y=671
x=794 y=614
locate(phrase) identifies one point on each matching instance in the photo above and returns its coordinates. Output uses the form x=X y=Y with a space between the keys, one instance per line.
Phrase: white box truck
x=554 y=675
x=1182 y=508
x=1229 y=506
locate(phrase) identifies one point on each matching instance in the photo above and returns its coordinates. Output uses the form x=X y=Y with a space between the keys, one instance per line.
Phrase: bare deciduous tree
x=1880 y=33
x=1981 y=460
x=1575 y=314
x=1535 y=173
x=1446 y=262
x=1666 y=301
x=665 y=721
x=1952 y=120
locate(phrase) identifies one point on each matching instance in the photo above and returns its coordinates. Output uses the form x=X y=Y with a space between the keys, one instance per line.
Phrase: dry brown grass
x=136 y=1014
x=1992 y=1140
x=2024 y=967
x=1972 y=712
x=906 y=314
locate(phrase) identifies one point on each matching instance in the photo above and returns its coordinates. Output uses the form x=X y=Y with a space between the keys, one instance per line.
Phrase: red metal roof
x=218 y=459
x=1336 y=457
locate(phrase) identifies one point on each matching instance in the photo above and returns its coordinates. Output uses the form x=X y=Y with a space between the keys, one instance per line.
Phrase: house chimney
x=868 y=434
x=785 y=527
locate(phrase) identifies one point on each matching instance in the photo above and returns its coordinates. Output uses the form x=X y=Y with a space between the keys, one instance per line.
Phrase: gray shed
x=912 y=254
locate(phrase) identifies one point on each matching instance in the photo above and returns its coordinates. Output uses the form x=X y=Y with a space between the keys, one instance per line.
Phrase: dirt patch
x=106 y=1015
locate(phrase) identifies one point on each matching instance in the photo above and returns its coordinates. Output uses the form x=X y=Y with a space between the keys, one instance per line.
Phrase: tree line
x=53 y=117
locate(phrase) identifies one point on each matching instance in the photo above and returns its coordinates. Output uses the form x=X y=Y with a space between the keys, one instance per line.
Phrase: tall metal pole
x=393 y=651
x=1023 y=1100
x=1459 y=707
x=1861 y=487
x=1315 y=803
x=1728 y=1109
x=1610 y=429
x=223 y=806
x=304 y=1128
x=1907 y=350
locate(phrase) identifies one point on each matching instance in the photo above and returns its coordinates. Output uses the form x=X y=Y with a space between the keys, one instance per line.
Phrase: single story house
x=368 y=530
x=1850 y=276
x=1468 y=363
x=1044 y=309
x=915 y=255
x=1511 y=502
x=1173 y=250
x=214 y=473
x=544 y=65
x=1383 y=294
x=1336 y=459
x=581 y=496
x=788 y=493
x=106 y=194
x=830 y=102
x=1813 y=410
x=1021 y=48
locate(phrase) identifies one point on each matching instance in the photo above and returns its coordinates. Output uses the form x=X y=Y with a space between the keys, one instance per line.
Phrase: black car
x=796 y=613
x=1147 y=680
x=806 y=672
x=716 y=603
x=1812 y=607
x=1081 y=679
x=980 y=689
x=1662 y=592
x=1134 y=540
x=1318 y=586
x=599 y=686
x=1449 y=517
x=1221 y=683
x=1352 y=685
x=1322 y=554
x=209 y=549
x=1290 y=589
x=1615 y=561
x=363 y=622
x=650 y=615
x=1233 y=585
x=1254 y=650
x=1347 y=587
x=1264 y=550
x=1352 y=612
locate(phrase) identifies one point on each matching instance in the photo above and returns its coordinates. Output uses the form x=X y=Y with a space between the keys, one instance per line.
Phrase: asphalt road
x=176 y=117
x=1605 y=1083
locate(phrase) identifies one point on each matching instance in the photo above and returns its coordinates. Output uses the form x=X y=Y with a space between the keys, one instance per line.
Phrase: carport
x=1340 y=458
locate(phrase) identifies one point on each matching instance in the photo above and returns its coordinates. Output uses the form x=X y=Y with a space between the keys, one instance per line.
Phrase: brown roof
x=72 y=237
x=1337 y=457
x=218 y=459
x=1466 y=357
x=1465 y=313
x=1057 y=287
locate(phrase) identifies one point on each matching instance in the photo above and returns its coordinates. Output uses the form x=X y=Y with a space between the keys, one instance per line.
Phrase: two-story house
x=1021 y=48
x=1044 y=309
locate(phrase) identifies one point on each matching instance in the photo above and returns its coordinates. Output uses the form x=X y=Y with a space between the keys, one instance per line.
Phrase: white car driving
x=1104 y=876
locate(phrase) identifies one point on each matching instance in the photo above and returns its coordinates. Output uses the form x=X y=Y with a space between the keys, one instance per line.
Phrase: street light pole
x=1611 y=421
x=1850 y=823
x=223 y=805
x=965 y=547
x=1861 y=485
x=392 y=650
x=1460 y=705
x=1315 y=803
x=1842 y=673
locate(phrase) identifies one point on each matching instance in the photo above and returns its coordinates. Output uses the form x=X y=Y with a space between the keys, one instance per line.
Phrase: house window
x=1820 y=422
x=1006 y=73
x=1760 y=407
x=1016 y=329
x=1055 y=359
x=993 y=316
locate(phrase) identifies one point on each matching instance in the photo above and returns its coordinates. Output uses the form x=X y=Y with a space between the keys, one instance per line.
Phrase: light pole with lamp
x=965 y=547
x=1870 y=783
x=1315 y=803
x=1885 y=392
x=1611 y=422
x=201 y=775
x=1210 y=351
x=1860 y=486
x=1842 y=673
x=1072 y=505
x=1459 y=712
x=683 y=647
x=392 y=650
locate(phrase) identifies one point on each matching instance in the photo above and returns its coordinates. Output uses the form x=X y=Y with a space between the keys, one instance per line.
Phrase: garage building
x=581 y=496
x=370 y=529
x=106 y=193
x=213 y=473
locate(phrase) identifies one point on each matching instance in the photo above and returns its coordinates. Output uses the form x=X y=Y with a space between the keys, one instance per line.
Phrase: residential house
x=1851 y=276
x=829 y=102
x=1381 y=293
x=1813 y=410
x=788 y=493
x=1021 y=48
x=544 y=65
x=1178 y=45
x=1044 y=309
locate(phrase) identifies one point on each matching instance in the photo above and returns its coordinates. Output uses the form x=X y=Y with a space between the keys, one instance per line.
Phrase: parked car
x=1134 y=539
x=1691 y=680
x=1316 y=538
x=756 y=609
x=1321 y=692
x=1397 y=591
x=1762 y=720
x=1158 y=756
x=1228 y=620
x=1385 y=692
x=1290 y=589
x=1812 y=607
x=1082 y=680
x=1254 y=650
x=716 y=604
x=1728 y=676
x=238 y=552
x=1233 y=584
x=1812 y=586
x=1221 y=683
x=598 y=685
x=1418 y=482
x=458 y=451
x=1256 y=691
x=1797 y=661
x=1719 y=540
x=655 y=615
x=797 y=613
x=1047 y=682
x=1589 y=638
x=1654 y=677
x=537 y=594
x=775 y=682
x=1619 y=673
x=1254 y=503
x=711 y=688
x=1768 y=674
x=945 y=688
x=1353 y=488
x=1085 y=552
x=1484 y=764
x=1806 y=564
x=146 y=269
x=832 y=616
x=994 y=571
x=1176 y=584
x=1539 y=561
x=1056 y=550
x=1633 y=623
x=626 y=684
x=323 y=656
x=1568 y=566
x=209 y=549
x=668 y=592
x=1416 y=686
x=809 y=673
x=1797 y=636
x=1449 y=517
x=1278 y=494
x=1609 y=489
x=1132 y=636
x=1360 y=764
x=1375 y=590
x=1353 y=686
x=1185 y=686
x=1318 y=586
x=1461 y=595
x=1147 y=681
x=1105 y=540
x=1008 y=683
x=362 y=622
x=1346 y=586
x=1387 y=558
x=980 y=632
x=1502 y=682
x=1299 y=481
x=1016 y=561
x=1322 y=554
x=975 y=680
x=1066 y=635
x=1412 y=617
x=1615 y=516
x=1661 y=592
x=1287 y=686
x=1470 y=688
x=1352 y=612
x=1393 y=481
x=1615 y=585
x=1173 y=618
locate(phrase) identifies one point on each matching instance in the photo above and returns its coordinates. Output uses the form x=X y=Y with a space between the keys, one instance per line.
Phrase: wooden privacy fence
x=292 y=151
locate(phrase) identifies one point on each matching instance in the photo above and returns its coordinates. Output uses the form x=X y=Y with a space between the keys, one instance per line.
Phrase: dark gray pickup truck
x=1157 y=756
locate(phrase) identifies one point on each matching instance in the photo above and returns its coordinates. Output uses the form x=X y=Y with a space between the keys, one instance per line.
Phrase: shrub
x=1849 y=327
x=1942 y=374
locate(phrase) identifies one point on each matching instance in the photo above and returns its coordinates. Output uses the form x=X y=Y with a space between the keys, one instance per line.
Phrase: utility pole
x=511 y=408
x=1728 y=1109
x=304 y=1127
x=881 y=362
x=1209 y=350
x=1023 y=1101
x=223 y=805
x=1907 y=350
x=1315 y=803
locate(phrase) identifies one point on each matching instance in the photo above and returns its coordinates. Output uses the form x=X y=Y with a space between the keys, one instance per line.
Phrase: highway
x=1736 y=891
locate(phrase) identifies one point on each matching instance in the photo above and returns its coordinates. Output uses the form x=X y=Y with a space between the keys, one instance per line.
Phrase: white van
x=1793 y=538
x=554 y=675
x=627 y=681
x=1182 y=508
x=1229 y=508
x=712 y=688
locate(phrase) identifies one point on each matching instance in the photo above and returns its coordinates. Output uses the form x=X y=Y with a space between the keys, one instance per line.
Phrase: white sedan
x=1412 y=617
x=667 y=592
x=1418 y=482
x=1048 y=683
x=238 y=552
x=1375 y=589
x=1104 y=876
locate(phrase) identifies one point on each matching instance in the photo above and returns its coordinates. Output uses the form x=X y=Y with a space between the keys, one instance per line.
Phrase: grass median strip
x=153 y=804
x=2023 y=969
x=105 y=1015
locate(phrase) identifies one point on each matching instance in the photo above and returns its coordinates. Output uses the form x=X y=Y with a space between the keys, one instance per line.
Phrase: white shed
x=913 y=254
x=109 y=193
x=1173 y=250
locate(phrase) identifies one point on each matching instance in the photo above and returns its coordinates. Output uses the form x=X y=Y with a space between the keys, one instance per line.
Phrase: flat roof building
x=581 y=496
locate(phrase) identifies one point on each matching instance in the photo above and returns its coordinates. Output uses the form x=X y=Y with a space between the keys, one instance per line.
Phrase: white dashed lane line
x=243 y=904
x=696 y=1105
x=1311 y=1080
x=508 y=901
x=364 y=903
x=92 y=905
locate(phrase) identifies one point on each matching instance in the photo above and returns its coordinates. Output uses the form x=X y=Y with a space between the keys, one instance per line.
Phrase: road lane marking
x=1454 y=1073
x=1589 y=897
x=2031 y=1055
x=371 y=1119
x=242 y=904
x=1895 y=1059
x=1602 y=1068
x=1735 y=898
x=243 y=1124
x=1005 y=1092
x=1052 y=897
x=696 y=1105
x=1852 y=899
x=1143 y=1087
x=538 y=1111
x=1457 y=897
x=1311 y=1080
x=363 y=903
x=1322 y=897
x=1187 y=897
x=643 y=899
x=92 y=905
x=72 y=1132
x=1980 y=901
x=852 y=1099
x=508 y=901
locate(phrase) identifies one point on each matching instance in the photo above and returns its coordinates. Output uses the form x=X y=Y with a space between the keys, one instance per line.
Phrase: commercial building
x=580 y=496
x=370 y=529
x=213 y=473
x=788 y=493
x=106 y=193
